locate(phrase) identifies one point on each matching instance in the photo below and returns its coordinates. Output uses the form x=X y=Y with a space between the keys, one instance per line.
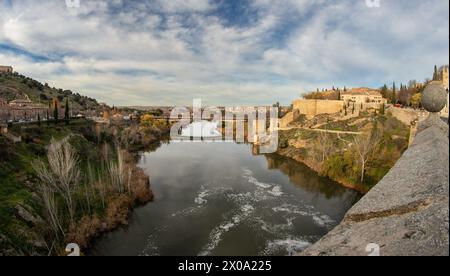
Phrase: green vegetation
x=100 y=196
x=359 y=162
x=382 y=153
x=394 y=94
x=436 y=75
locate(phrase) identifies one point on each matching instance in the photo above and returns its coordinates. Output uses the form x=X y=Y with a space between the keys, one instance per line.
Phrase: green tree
x=55 y=110
x=66 y=111
x=436 y=73
x=394 y=94
x=384 y=91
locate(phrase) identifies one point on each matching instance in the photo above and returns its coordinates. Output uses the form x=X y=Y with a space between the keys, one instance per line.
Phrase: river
x=221 y=199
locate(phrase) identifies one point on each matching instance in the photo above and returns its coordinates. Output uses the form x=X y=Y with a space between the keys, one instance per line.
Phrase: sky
x=225 y=52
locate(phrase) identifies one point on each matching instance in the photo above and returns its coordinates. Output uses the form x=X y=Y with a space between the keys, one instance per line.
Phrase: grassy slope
x=14 y=86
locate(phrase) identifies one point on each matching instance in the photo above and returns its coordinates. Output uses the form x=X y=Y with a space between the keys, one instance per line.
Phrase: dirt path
x=322 y=130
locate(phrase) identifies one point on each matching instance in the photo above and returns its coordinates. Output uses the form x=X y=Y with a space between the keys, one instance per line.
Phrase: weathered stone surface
x=434 y=97
x=407 y=213
x=434 y=120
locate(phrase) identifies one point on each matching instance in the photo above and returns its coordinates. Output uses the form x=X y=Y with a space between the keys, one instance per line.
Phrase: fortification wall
x=311 y=108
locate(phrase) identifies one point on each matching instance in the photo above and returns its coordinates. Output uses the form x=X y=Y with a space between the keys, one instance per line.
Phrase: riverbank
x=109 y=185
x=357 y=160
x=118 y=209
x=295 y=155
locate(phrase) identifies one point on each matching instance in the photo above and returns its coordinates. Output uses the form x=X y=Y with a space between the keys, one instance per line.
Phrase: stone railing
x=407 y=213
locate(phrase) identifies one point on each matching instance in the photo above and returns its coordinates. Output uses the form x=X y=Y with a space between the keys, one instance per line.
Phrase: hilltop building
x=362 y=98
x=6 y=69
x=363 y=95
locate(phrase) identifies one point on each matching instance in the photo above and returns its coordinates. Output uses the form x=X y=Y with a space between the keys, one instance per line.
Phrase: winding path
x=321 y=130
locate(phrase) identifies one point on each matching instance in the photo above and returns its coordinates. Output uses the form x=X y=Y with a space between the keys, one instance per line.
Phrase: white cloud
x=168 y=52
x=177 y=6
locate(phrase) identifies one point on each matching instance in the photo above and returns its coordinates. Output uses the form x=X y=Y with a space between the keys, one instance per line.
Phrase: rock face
x=407 y=213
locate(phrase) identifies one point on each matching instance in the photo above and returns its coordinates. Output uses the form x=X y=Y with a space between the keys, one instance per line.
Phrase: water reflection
x=304 y=177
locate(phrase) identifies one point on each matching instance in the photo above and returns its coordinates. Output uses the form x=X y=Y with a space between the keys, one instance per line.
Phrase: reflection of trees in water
x=301 y=175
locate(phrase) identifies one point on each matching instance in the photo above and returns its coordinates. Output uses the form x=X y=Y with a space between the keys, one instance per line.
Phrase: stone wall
x=289 y=118
x=407 y=212
x=311 y=108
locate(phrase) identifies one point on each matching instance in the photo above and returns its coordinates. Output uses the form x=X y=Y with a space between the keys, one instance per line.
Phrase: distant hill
x=16 y=86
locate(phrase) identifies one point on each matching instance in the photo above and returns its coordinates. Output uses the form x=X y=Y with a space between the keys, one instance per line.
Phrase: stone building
x=22 y=110
x=363 y=95
x=6 y=69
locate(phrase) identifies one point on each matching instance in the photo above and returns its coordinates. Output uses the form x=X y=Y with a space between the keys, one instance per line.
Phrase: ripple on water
x=216 y=234
x=291 y=245
x=248 y=205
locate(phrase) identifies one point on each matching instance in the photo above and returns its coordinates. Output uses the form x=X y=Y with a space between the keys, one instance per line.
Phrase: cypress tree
x=55 y=110
x=436 y=74
x=394 y=94
x=66 y=112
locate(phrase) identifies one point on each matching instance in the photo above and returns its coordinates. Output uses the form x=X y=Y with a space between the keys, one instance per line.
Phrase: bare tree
x=62 y=174
x=324 y=146
x=119 y=174
x=365 y=145
x=47 y=192
x=63 y=163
